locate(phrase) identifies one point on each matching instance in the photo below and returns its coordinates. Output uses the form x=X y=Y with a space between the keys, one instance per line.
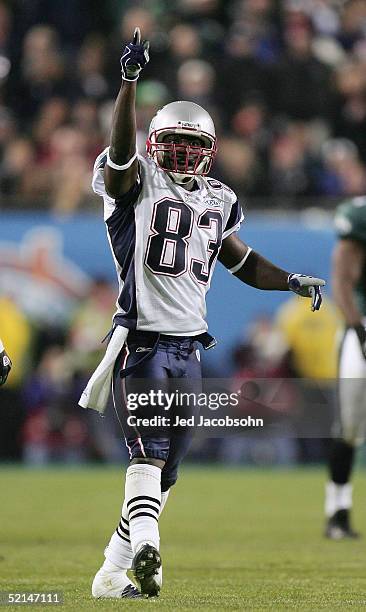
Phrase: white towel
x=96 y=392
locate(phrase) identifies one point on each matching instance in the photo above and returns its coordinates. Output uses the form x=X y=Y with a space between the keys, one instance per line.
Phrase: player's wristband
x=133 y=80
x=239 y=265
x=123 y=166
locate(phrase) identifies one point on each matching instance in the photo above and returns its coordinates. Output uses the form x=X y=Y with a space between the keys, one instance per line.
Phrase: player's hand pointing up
x=135 y=57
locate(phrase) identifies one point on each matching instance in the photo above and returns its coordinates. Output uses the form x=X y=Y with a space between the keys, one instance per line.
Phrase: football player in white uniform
x=5 y=364
x=167 y=224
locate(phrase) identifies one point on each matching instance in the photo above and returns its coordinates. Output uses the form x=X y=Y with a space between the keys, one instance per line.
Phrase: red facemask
x=181 y=158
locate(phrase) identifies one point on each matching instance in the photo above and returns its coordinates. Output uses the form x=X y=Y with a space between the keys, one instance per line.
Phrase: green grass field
x=231 y=540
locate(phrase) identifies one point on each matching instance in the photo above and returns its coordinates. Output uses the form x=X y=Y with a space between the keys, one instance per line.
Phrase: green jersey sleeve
x=350 y=219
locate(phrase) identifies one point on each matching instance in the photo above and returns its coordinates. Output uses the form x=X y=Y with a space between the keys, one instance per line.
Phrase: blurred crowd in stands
x=284 y=80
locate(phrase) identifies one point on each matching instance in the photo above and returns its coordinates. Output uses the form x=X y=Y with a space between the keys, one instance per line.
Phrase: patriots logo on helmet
x=188 y=124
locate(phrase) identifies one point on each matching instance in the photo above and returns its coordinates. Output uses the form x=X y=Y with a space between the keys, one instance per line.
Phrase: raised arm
x=120 y=172
x=256 y=271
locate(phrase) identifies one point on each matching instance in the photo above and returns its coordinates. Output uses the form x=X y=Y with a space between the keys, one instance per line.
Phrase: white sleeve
x=98 y=179
x=98 y=185
x=236 y=217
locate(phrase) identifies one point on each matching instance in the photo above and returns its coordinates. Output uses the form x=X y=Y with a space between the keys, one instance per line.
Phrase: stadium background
x=285 y=83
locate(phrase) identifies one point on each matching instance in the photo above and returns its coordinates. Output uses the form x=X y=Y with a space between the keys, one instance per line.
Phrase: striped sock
x=143 y=499
x=119 y=549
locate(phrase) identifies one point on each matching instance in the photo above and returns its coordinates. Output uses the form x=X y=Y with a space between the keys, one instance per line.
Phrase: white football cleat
x=113 y=584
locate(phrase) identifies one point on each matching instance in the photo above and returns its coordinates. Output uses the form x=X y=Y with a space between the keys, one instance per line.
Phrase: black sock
x=341 y=461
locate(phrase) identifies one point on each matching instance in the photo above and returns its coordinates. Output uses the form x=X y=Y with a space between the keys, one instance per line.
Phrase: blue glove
x=307 y=286
x=5 y=367
x=135 y=57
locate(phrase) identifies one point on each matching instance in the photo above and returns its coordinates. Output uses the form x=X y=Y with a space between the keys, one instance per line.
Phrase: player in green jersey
x=349 y=289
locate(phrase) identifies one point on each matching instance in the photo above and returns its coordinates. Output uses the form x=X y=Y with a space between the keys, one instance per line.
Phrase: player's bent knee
x=149 y=460
x=353 y=435
x=168 y=481
x=348 y=438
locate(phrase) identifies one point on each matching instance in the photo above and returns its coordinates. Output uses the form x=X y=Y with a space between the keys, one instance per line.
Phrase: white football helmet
x=182 y=160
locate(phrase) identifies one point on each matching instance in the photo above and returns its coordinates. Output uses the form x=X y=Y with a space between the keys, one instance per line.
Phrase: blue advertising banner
x=46 y=264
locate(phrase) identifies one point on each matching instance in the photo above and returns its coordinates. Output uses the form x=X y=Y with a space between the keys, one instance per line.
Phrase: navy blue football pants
x=176 y=362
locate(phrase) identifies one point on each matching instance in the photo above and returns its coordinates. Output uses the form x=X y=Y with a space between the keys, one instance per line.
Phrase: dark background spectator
x=268 y=71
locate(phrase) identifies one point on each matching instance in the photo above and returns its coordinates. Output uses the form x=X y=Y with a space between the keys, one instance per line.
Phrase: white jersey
x=165 y=241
